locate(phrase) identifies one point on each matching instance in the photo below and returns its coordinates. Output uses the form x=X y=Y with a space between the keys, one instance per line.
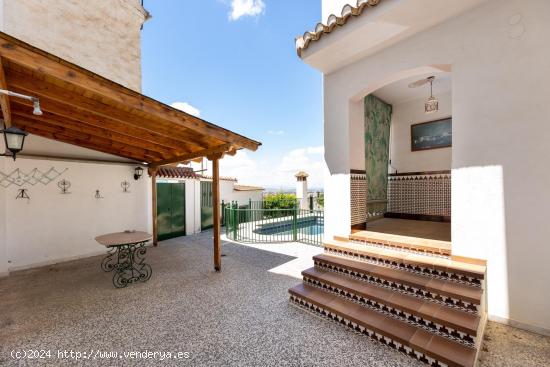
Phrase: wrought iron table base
x=127 y=261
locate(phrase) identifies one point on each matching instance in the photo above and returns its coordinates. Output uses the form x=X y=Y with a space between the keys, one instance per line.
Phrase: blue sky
x=234 y=63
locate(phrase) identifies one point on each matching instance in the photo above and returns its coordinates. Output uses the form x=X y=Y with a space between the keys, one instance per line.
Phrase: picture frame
x=435 y=134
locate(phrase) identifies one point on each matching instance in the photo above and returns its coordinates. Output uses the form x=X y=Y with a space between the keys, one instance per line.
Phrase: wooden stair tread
x=446 y=288
x=403 y=241
x=459 y=267
x=456 y=319
x=434 y=346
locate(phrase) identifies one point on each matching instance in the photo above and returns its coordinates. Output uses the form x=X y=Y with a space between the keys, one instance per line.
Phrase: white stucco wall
x=3 y=242
x=228 y=195
x=51 y=227
x=402 y=158
x=101 y=35
x=500 y=140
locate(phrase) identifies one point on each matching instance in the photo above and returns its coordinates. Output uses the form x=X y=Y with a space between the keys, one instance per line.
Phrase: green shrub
x=320 y=200
x=280 y=201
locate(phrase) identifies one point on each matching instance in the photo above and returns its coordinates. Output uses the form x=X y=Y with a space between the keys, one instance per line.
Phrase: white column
x=197 y=206
x=190 y=207
x=337 y=158
x=3 y=237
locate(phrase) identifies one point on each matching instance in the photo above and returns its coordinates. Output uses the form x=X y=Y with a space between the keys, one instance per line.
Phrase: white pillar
x=337 y=137
x=301 y=189
x=4 y=268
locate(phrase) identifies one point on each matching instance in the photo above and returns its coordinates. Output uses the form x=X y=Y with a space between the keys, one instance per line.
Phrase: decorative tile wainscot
x=420 y=193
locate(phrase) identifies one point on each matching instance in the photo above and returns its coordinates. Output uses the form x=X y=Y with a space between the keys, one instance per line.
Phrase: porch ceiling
x=82 y=108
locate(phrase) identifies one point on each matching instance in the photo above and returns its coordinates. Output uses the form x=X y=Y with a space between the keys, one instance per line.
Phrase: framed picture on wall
x=432 y=135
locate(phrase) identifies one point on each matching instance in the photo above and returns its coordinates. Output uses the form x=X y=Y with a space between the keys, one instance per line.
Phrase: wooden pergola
x=85 y=109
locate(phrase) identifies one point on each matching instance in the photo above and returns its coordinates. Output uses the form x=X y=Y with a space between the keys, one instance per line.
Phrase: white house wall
x=51 y=227
x=100 y=35
x=402 y=158
x=3 y=241
x=501 y=85
x=228 y=194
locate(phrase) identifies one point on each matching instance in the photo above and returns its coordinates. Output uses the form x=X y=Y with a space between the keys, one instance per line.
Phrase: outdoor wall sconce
x=14 y=138
x=138 y=172
x=98 y=195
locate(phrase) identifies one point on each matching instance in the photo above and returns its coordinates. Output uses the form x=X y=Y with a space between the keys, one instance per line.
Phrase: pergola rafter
x=85 y=109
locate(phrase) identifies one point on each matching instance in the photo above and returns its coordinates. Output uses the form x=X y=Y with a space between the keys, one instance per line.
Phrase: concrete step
x=416 y=342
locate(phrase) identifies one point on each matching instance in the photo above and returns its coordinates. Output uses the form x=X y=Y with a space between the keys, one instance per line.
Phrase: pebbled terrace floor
x=240 y=317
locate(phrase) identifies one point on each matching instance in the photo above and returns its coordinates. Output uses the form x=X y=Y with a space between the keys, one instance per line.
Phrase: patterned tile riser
x=431 y=272
x=319 y=311
x=396 y=246
x=445 y=331
x=402 y=288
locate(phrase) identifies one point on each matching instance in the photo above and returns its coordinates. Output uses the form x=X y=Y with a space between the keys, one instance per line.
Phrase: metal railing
x=258 y=225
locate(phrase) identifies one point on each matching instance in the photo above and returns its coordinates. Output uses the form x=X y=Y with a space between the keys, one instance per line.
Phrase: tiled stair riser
x=428 y=251
x=428 y=325
x=426 y=271
x=320 y=311
x=406 y=289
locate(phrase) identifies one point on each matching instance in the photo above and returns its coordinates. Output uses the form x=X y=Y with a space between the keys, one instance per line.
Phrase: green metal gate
x=207 y=213
x=170 y=210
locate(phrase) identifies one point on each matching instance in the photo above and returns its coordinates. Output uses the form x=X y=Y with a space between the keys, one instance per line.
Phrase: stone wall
x=100 y=35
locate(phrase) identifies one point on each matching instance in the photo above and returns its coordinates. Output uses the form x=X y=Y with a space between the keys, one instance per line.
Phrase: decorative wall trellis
x=19 y=178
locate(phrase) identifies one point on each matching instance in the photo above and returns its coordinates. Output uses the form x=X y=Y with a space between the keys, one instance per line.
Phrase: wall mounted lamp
x=138 y=172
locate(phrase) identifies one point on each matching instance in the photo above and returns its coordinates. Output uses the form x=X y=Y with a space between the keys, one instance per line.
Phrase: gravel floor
x=239 y=317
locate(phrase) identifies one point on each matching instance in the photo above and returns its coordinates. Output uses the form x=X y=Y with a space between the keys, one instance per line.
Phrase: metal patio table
x=126 y=257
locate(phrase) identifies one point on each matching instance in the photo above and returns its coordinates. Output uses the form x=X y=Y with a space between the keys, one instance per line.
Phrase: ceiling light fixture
x=35 y=101
x=432 y=104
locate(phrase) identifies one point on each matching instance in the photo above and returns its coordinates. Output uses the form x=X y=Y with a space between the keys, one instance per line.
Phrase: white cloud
x=276 y=173
x=276 y=132
x=242 y=8
x=186 y=107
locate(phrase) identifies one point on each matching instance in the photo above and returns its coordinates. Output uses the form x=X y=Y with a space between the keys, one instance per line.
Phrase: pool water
x=312 y=227
x=312 y=230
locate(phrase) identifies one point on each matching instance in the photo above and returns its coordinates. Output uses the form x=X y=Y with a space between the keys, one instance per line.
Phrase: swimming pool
x=274 y=225
x=311 y=226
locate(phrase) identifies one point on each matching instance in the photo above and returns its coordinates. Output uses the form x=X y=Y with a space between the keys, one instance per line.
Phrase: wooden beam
x=76 y=126
x=43 y=63
x=84 y=143
x=153 y=173
x=216 y=213
x=111 y=146
x=69 y=104
x=63 y=158
x=218 y=150
x=4 y=99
